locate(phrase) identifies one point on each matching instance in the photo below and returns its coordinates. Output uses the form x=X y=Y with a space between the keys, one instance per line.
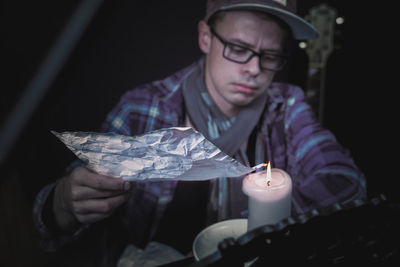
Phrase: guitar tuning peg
x=339 y=20
x=303 y=45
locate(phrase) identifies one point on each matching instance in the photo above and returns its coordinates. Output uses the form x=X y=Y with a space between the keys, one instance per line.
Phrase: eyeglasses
x=241 y=54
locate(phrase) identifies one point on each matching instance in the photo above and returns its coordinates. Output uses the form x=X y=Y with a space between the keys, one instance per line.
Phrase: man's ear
x=204 y=37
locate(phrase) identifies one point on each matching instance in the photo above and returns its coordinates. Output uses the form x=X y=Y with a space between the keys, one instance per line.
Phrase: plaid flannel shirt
x=322 y=171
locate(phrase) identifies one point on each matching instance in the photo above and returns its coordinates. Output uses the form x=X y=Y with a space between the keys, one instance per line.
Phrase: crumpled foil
x=171 y=153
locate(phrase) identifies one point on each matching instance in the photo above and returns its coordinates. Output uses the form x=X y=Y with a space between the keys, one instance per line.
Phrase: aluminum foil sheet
x=172 y=153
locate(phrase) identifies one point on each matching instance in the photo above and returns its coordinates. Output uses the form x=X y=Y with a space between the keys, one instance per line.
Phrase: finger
x=101 y=206
x=92 y=217
x=84 y=192
x=88 y=178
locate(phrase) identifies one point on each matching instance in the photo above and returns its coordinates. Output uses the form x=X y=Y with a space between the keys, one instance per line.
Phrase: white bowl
x=206 y=242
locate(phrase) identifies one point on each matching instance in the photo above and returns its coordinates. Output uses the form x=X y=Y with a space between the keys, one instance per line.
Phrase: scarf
x=226 y=199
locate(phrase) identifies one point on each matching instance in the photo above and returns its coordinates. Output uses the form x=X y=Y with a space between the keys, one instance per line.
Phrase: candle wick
x=268 y=183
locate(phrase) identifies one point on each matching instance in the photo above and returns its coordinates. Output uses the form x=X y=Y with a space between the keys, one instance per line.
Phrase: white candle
x=269 y=197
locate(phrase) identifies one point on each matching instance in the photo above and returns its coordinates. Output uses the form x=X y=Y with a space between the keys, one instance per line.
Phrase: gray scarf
x=229 y=134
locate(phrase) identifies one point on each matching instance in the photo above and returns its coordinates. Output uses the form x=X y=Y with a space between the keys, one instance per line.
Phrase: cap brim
x=301 y=29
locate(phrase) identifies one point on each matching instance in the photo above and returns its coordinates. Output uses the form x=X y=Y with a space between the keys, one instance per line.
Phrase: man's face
x=231 y=85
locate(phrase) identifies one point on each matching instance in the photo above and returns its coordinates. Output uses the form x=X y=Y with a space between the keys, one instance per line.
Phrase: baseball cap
x=283 y=9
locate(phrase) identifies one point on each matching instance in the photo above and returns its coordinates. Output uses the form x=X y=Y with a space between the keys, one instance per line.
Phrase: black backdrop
x=132 y=42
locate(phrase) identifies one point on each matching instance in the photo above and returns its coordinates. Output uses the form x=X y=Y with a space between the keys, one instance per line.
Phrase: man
x=230 y=97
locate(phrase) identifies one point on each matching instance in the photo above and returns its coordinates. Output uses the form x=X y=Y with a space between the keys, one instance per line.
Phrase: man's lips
x=245 y=88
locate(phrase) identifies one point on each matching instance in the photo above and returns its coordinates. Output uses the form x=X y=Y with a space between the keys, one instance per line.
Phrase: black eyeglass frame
x=282 y=57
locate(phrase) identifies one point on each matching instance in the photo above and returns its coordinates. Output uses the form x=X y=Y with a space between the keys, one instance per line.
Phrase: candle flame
x=268 y=172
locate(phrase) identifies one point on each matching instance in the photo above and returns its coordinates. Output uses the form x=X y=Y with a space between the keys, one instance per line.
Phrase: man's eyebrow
x=240 y=42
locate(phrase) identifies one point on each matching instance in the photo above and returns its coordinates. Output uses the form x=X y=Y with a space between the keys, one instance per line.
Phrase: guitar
x=323 y=18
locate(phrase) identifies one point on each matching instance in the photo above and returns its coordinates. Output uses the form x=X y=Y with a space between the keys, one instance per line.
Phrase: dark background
x=132 y=42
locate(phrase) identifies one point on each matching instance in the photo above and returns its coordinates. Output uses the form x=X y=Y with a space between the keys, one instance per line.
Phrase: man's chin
x=244 y=101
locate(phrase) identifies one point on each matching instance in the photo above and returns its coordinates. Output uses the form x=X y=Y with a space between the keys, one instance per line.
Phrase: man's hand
x=87 y=197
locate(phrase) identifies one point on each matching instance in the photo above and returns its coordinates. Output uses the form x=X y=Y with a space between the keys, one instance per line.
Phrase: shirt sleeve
x=51 y=237
x=322 y=170
x=135 y=113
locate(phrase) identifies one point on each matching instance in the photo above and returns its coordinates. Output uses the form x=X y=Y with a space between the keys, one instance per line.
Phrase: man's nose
x=253 y=66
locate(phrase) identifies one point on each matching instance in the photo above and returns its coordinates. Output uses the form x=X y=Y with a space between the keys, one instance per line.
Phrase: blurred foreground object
x=353 y=234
